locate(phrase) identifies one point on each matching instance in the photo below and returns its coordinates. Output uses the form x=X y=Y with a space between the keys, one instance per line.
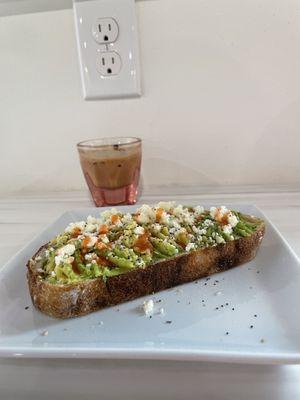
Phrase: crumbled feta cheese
x=202 y=231
x=139 y=230
x=140 y=263
x=213 y=212
x=75 y=225
x=166 y=205
x=178 y=211
x=68 y=249
x=165 y=218
x=148 y=307
x=91 y=220
x=198 y=210
x=175 y=224
x=105 y=215
x=190 y=246
x=195 y=229
x=208 y=222
x=157 y=227
x=127 y=218
x=90 y=228
x=227 y=229
x=232 y=220
x=146 y=214
x=53 y=273
x=104 y=238
x=189 y=219
x=219 y=239
x=88 y=256
x=183 y=215
x=63 y=257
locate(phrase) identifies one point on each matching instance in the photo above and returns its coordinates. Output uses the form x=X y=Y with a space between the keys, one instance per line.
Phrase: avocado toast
x=120 y=256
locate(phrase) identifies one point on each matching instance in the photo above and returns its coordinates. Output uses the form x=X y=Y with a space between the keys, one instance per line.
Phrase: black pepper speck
x=232 y=308
x=168 y=322
x=26 y=308
x=251 y=326
x=255 y=315
x=227 y=333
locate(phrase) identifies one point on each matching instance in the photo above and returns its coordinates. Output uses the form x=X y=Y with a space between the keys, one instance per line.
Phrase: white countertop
x=22 y=217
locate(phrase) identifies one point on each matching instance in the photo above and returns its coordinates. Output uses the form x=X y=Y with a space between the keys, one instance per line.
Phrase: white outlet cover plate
x=127 y=82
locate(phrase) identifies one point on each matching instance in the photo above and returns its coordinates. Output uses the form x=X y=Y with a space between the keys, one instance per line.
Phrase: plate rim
x=142 y=353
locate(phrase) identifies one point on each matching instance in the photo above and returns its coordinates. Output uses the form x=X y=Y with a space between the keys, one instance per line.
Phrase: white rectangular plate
x=247 y=314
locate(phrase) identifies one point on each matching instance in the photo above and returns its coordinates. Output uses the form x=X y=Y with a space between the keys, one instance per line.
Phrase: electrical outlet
x=107 y=41
x=105 y=30
x=108 y=63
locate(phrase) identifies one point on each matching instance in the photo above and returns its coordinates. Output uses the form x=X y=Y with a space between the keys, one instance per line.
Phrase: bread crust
x=81 y=298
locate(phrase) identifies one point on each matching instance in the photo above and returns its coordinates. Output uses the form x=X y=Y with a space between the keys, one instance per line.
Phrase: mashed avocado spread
x=117 y=242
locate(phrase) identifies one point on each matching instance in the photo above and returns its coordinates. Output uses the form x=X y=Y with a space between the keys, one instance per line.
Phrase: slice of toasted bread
x=76 y=299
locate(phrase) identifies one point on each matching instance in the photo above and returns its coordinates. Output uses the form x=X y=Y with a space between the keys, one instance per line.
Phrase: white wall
x=221 y=96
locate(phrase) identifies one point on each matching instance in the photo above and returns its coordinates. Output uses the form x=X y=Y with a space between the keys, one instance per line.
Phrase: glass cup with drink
x=111 y=167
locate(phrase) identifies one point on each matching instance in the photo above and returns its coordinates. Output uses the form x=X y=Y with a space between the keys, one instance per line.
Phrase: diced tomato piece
x=103 y=229
x=101 y=246
x=76 y=232
x=75 y=268
x=115 y=218
x=143 y=244
x=159 y=213
x=85 y=242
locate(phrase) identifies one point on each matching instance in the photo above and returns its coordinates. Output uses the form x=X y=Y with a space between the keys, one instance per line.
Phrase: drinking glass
x=111 y=167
